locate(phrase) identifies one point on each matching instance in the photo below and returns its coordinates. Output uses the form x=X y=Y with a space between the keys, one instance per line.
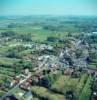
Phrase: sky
x=48 y=7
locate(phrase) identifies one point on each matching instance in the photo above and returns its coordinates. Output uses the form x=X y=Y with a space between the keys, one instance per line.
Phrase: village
x=70 y=60
x=48 y=57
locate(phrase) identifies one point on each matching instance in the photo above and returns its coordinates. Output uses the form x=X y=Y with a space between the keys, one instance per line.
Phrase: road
x=15 y=87
x=91 y=70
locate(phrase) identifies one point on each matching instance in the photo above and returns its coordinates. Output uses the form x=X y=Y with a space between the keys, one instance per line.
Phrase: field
x=19 y=38
x=80 y=86
x=42 y=92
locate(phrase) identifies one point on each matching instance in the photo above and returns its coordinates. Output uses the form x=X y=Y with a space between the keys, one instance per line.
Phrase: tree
x=8 y=34
x=70 y=95
x=25 y=37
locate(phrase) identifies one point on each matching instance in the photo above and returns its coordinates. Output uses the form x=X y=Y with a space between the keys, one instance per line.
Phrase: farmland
x=48 y=58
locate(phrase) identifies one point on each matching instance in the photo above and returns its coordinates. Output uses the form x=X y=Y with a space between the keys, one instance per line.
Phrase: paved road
x=13 y=89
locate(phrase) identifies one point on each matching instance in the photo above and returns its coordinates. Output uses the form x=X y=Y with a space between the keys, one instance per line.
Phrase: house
x=25 y=86
x=25 y=71
x=28 y=95
x=39 y=75
x=28 y=46
x=20 y=94
x=68 y=71
x=29 y=80
x=79 y=62
x=13 y=83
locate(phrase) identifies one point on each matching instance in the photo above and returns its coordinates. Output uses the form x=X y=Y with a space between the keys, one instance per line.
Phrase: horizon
x=48 y=7
x=46 y=15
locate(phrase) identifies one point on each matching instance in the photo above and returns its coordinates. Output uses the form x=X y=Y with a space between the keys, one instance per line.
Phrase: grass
x=60 y=83
x=1 y=93
x=66 y=83
x=80 y=84
x=24 y=53
x=38 y=35
x=86 y=93
x=16 y=93
x=7 y=61
x=42 y=92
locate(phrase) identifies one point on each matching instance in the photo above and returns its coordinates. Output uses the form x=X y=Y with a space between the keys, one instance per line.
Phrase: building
x=28 y=95
x=25 y=86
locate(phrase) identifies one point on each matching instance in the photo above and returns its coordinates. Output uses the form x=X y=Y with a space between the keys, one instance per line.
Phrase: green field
x=78 y=85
